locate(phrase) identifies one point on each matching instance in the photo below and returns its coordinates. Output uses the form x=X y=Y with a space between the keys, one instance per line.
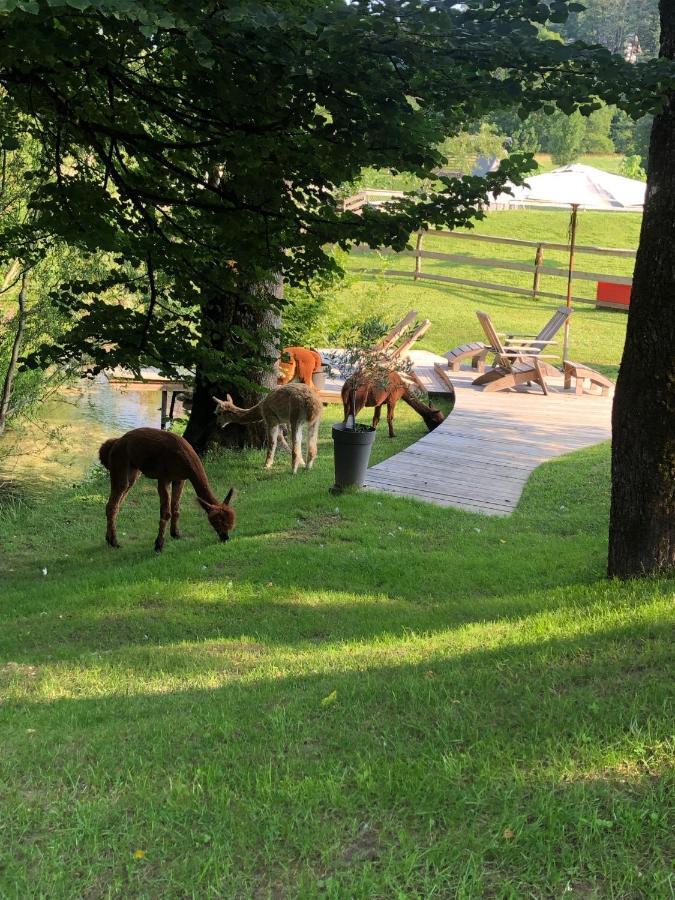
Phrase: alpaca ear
x=231 y=494
x=204 y=504
x=216 y=400
x=229 y=399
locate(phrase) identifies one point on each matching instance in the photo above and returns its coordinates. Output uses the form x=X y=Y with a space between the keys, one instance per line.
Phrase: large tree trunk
x=642 y=521
x=6 y=396
x=260 y=319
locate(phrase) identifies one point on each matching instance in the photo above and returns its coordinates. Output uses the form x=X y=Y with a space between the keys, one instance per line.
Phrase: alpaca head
x=433 y=418
x=220 y=515
x=226 y=411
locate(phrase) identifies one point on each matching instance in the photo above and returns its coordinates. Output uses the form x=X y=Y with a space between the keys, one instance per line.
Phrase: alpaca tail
x=318 y=362
x=104 y=451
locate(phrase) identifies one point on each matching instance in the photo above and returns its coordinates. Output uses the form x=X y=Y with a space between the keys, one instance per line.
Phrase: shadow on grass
x=543 y=760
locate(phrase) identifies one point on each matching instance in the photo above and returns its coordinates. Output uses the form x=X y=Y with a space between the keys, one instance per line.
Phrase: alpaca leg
x=376 y=415
x=111 y=509
x=176 y=491
x=390 y=418
x=282 y=440
x=164 y=512
x=312 y=438
x=296 y=437
x=272 y=436
x=119 y=488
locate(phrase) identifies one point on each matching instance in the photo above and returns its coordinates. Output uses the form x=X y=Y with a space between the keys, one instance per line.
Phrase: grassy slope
x=597 y=336
x=363 y=697
x=608 y=162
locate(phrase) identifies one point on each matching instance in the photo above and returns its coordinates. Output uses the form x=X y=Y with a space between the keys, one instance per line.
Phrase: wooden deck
x=481 y=456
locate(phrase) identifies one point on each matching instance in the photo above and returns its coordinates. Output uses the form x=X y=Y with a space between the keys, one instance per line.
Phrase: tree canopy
x=200 y=146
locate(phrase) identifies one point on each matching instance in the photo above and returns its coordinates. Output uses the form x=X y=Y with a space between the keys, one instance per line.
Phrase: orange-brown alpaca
x=169 y=460
x=377 y=395
x=303 y=363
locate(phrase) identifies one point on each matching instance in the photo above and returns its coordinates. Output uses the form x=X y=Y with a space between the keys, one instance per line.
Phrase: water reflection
x=64 y=443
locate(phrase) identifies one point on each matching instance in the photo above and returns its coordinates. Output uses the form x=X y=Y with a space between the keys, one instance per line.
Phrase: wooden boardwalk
x=481 y=456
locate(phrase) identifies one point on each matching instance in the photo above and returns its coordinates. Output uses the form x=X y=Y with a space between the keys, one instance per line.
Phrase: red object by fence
x=613 y=296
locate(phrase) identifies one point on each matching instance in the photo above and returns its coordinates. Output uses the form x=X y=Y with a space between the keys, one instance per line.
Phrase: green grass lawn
x=608 y=162
x=356 y=697
x=597 y=335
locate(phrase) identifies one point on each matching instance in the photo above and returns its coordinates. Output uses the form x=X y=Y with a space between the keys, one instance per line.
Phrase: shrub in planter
x=360 y=362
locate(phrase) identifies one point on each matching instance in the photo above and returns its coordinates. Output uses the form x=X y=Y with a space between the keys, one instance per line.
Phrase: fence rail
x=537 y=268
x=369 y=197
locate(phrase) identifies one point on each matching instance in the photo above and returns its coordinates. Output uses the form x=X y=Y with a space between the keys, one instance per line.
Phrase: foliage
x=134 y=103
x=307 y=311
x=596 y=138
x=622 y=131
x=632 y=168
x=565 y=137
x=362 y=359
x=383 y=179
x=26 y=252
x=640 y=144
x=460 y=152
x=613 y=22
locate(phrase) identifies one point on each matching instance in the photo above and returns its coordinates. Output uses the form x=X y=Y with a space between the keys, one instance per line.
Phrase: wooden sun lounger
x=410 y=340
x=396 y=331
x=533 y=344
x=475 y=352
x=508 y=371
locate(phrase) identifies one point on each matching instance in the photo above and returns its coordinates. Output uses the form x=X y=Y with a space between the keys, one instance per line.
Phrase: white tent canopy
x=584 y=186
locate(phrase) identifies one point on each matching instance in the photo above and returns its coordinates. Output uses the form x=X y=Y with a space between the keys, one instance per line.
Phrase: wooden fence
x=537 y=268
x=369 y=197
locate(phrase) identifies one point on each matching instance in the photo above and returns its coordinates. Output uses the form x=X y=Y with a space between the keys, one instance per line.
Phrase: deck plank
x=480 y=458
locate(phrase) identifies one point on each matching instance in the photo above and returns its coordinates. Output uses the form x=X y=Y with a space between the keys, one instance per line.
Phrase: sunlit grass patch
x=361 y=697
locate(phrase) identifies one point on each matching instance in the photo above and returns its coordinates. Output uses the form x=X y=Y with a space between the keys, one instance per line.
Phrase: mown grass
x=597 y=335
x=608 y=162
x=355 y=697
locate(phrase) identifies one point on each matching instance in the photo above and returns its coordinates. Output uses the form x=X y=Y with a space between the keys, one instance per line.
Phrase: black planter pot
x=351 y=450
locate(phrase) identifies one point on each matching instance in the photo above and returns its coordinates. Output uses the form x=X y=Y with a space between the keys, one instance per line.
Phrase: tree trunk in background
x=217 y=321
x=6 y=397
x=642 y=519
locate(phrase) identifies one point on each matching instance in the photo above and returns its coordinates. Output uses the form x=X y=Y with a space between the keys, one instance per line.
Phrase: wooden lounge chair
x=582 y=373
x=533 y=344
x=509 y=370
x=410 y=340
x=396 y=331
x=475 y=352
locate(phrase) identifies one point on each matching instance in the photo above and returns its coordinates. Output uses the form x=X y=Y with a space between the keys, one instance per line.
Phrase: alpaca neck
x=417 y=405
x=200 y=483
x=248 y=416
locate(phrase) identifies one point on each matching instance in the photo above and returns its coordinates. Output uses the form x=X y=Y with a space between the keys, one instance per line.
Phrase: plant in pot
x=361 y=362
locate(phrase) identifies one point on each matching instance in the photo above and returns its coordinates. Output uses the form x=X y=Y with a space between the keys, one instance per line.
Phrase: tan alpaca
x=292 y=405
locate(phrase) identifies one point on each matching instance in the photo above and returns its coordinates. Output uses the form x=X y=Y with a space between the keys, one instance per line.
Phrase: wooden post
x=570 y=275
x=163 y=417
x=173 y=405
x=418 y=258
x=538 y=263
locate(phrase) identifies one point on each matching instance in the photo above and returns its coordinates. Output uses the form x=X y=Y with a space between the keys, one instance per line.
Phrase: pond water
x=63 y=444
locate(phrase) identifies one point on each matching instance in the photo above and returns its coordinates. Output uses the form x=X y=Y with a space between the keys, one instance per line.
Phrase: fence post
x=163 y=415
x=538 y=262
x=418 y=258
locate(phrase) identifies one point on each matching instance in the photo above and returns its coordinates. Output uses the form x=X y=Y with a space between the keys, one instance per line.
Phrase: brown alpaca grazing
x=377 y=395
x=303 y=363
x=168 y=459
